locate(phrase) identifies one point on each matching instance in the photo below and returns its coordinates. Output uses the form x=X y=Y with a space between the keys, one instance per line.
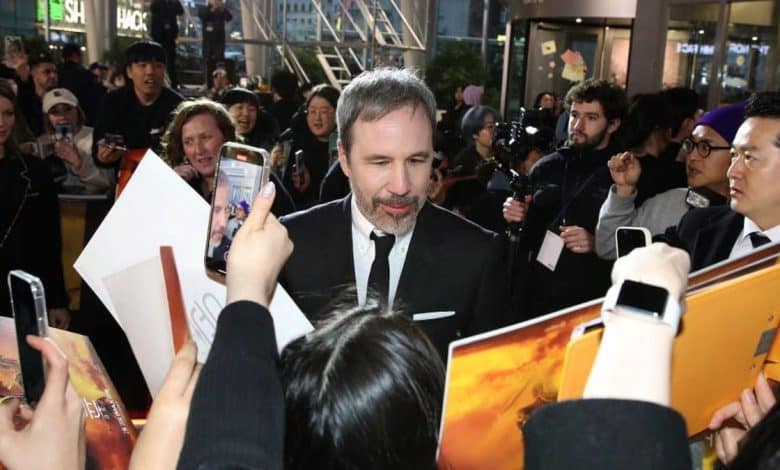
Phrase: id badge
x=551 y=250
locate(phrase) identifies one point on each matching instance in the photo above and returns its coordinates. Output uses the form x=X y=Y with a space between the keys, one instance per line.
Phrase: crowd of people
x=395 y=234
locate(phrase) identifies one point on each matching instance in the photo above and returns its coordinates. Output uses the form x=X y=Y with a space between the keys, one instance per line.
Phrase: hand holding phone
x=241 y=172
x=28 y=304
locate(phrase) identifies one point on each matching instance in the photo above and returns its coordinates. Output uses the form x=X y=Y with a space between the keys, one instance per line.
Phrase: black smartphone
x=241 y=172
x=628 y=238
x=28 y=304
x=116 y=141
x=299 y=165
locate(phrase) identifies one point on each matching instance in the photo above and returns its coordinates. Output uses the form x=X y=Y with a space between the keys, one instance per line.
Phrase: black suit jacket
x=707 y=234
x=452 y=266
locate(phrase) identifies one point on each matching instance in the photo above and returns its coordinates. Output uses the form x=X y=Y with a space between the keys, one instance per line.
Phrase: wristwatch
x=647 y=300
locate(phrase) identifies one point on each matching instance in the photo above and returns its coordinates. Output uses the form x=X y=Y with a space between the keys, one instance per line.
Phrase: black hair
x=646 y=113
x=363 y=390
x=284 y=83
x=240 y=95
x=143 y=51
x=765 y=104
x=40 y=58
x=474 y=120
x=69 y=49
x=611 y=97
x=760 y=448
x=326 y=92
x=682 y=103
x=541 y=95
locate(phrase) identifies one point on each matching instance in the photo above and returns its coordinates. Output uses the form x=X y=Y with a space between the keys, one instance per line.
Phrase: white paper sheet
x=159 y=208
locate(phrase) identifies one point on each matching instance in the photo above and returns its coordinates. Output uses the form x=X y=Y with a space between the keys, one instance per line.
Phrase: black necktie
x=758 y=239
x=379 y=277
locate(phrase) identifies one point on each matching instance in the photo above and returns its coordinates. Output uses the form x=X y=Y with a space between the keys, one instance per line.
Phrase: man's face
x=484 y=137
x=389 y=167
x=219 y=214
x=201 y=140
x=148 y=77
x=708 y=171
x=245 y=115
x=321 y=118
x=755 y=171
x=44 y=76
x=588 y=126
x=221 y=81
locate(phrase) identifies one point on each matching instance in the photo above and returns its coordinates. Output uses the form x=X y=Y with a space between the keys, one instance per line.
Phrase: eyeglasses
x=60 y=109
x=703 y=148
x=751 y=161
x=316 y=112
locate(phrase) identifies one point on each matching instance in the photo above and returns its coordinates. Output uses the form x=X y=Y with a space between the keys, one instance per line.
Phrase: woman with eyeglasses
x=707 y=158
x=68 y=139
x=313 y=139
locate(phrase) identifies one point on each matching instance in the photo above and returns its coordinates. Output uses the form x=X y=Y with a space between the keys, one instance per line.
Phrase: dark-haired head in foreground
x=362 y=391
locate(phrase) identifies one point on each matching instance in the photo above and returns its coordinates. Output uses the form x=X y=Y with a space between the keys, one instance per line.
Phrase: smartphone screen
x=630 y=238
x=241 y=172
x=28 y=304
x=644 y=296
x=63 y=131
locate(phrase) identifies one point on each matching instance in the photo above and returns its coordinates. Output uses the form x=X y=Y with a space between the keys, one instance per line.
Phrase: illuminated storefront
x=692 y=43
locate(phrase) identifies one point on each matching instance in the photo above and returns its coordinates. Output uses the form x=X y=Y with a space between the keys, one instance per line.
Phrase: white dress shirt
x=363 y=253
x=743 y=244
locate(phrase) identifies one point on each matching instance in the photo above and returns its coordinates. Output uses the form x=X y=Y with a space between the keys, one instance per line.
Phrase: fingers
x=261 y=208
x=724 y=414
x=727 y=443
x=57 y=371
x=750 y=408
x=764 y=394
x=180 y=374
x=8 y=408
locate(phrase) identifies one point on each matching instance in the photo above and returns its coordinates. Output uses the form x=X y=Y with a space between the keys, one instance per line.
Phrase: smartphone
x=116 y=141
x=628 y=238
x=28 y=304
x=63 y=131
x=299 y=165
x=241 y=172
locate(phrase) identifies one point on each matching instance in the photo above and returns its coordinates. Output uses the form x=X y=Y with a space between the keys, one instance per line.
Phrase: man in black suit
x=386 y=238
x=714 y=234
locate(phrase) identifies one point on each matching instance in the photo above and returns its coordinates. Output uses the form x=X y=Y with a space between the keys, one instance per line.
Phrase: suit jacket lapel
x=341 y=266
x=716 y=240
x=425 y=240
x=19 y=188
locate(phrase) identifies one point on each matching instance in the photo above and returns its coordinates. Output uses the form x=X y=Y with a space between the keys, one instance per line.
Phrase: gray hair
x=374 y=94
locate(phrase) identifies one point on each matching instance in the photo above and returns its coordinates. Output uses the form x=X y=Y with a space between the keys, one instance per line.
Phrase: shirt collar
x=749 y=227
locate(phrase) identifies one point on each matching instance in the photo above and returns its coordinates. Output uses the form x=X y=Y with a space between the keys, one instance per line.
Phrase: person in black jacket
x=29 y=218
x=80 y=81
x=571 y=184
x=164 y=30
x=138 y=112
x=213 y=17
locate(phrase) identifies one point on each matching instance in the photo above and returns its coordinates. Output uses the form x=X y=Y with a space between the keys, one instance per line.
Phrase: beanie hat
x=725 y=120
x=240 y=95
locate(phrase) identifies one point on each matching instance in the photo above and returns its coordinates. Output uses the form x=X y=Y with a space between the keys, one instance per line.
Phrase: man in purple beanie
x=752 y=217
x=706 y=162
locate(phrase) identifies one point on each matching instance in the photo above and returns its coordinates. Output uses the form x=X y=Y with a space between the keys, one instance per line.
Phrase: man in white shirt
x=753 y=219
x=385 y=242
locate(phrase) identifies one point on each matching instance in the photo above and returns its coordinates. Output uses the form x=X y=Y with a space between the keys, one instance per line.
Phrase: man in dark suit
x=714 y=234
x=386 y=238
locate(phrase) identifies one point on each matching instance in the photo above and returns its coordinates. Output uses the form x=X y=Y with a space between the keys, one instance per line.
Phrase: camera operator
x=561 y=220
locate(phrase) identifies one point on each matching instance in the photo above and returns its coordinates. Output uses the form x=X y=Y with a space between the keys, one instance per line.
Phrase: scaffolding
x=350 y=35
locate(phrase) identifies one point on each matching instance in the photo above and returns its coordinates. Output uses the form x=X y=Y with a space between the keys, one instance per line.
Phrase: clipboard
x=725 y=338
